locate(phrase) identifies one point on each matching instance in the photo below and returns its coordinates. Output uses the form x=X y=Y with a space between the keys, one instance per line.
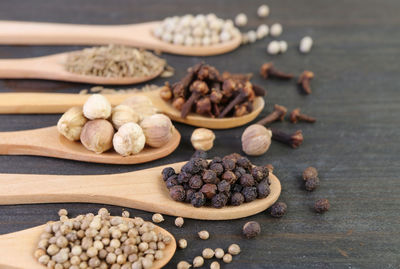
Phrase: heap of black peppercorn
x=231 y=180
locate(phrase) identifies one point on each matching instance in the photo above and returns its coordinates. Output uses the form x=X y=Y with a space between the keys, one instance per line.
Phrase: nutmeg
x=71 y=122
x=122 y=114
x=97 y=135
x=142 y=105
x=97 y=107
x=157 y=129
x=129 y=139
x=256 y=140
x=202 y=139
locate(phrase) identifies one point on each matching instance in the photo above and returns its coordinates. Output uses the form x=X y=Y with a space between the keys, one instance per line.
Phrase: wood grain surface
x=355 y=143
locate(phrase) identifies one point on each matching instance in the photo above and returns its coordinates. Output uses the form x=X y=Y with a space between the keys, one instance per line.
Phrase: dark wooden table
x=355 y=144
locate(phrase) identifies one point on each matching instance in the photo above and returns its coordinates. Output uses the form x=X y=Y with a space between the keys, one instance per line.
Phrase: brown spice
x=304 y=81
x=322 y=205
x=294 y=140
x=268 y=71
x=296 y=116
x=278 y=114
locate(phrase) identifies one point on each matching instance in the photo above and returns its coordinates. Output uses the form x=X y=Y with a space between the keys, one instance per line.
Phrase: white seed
x=167 y=37
x=198 y=261
x=306 y=44
x=263 y=11
x=208 y=253
x=182 y=243
x=252 y=36
x=227 y=258
x=157 y=218
x=219 y=253
x=241 y=19
x=178 y=39
x=262 y=31
x=215 y=265
x=158 y=31
x=225 y=36
x=234 y=249
x=62 y=212
x=245 y=39
x=206 y=41
x=276 y=29
x=125 y=214
x=273 y=47
x=214 y=39
x=204 y=235
x=179 y=222
x=198 y=32
x=44 y=259
x=183 y=265
x=283 y=46
x=189 y=41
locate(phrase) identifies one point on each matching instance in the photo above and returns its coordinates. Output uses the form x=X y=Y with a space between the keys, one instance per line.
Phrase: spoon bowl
x=52 y=67
x=49 y=142
x=137 y=35
x=59 y=103
x=18 y=248
x=142 y=189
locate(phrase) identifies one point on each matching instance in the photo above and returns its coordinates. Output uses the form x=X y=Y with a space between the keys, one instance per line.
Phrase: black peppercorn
x=249 y=193
x=199 y=154
x=233 y=156
x=310 y=172
x=167 y=172
x=263 y=189
x=219 y=200
x=311 y=184
x=322 y=205
x=195 y=182
x=177 y=193
x=217 y=168
x=195 y=166
x=259 y=173
x=229 y=164
x=244 y=163
x=237 y=188
x=209 y=190
x=224 y=186
x=198 y=199
x=229 y=176
x=247 y=180
x=240 y=171
x=189 y=194
x=251 y=229
x=216 y=160
x=209 y=176
x=183 y=177
x=237 y=199
x=171 y=181
x=278 y=209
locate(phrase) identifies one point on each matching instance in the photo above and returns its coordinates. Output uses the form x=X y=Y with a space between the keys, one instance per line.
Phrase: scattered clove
x=296 y=116
x=278 y=114
x=294 y=140
x=268 y=71
x=304 y=81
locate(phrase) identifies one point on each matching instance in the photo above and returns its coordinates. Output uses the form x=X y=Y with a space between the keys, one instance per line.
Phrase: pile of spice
x=199 y=30
x=114 y=61
x=206 y=92
x=100 y=241
x=127 y=127
x=231 y=180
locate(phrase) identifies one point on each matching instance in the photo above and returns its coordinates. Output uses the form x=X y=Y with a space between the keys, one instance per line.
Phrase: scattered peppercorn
x=62 y=212
x=219 y=253
x=311 y=184
x=322 y=205
x=251 y=229
x=227 y=258
x=278 y=209
x=310 y=172
x=203 y=235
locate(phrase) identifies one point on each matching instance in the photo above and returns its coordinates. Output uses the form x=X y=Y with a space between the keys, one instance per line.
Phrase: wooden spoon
x=138 y=35
x=18 y=248
x=49 y=142
x=142 y=189
x=60 y=102
x=52 y=67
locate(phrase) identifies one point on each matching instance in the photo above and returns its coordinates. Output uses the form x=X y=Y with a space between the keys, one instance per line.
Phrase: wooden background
x=355 y=144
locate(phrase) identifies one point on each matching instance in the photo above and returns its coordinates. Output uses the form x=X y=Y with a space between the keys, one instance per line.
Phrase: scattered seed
x=241 y=19
x=262 y=31
x=62 y=212
x=219 y=253
x=125 y=214
x=157 y=218
x=179 y=222
x=251 y=229
x=208 y=253
x=252 y=36
x=204 y=235
x=234 y=249
x=215 y=265
x=183 y=265
x=198 y=261
x=283 y=46
x=273 y=47
x=263 y=11
x=182 y=243
x=306 y=44
x=227 y=258
x=322 y=205
x=276 y=29
x=278 y=209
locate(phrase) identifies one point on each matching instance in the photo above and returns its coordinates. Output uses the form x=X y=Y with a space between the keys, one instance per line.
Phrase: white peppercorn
x=234 y=249
x=204 y=235
x=273 y=47
x=263 y=11
x=179 y=222
x=62 y=212
x=215 y=265
x=125 y=214
x=262 y=31
x=157 y=218
x=198 y=261
x=241 y=19
x=276 y=29
x=227 y=258
x=182 y=243
x=283 y=46
x=306 y=44
x=208 y=253
x=252 y=36
x=219 y=253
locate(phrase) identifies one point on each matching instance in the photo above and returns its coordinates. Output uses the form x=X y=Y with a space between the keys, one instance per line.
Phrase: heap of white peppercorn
x=136 y=121
x=100 y=241
x=198 y=30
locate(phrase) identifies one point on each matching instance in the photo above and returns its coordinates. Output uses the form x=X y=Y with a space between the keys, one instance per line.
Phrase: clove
x=259 y=91
x=296 y=116
x=198 y=88
x=203 y=107
x=245 y=93
x=210 y=73
x=268 y=71
x=304 y=81
x=238 y=76
x=294 y=140
x=278 y=114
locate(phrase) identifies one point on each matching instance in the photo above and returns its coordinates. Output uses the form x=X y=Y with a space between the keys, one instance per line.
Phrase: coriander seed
x=219 y=253
x=208 y=253
x=227 y=258
x=182 y=243
x=183 y=265
x=198 y=261
x=215 y=265
x=204 y=235
x=157 y=218
x=179 y=222
x=62 y=212
x=234 y=249
x=125 y=214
